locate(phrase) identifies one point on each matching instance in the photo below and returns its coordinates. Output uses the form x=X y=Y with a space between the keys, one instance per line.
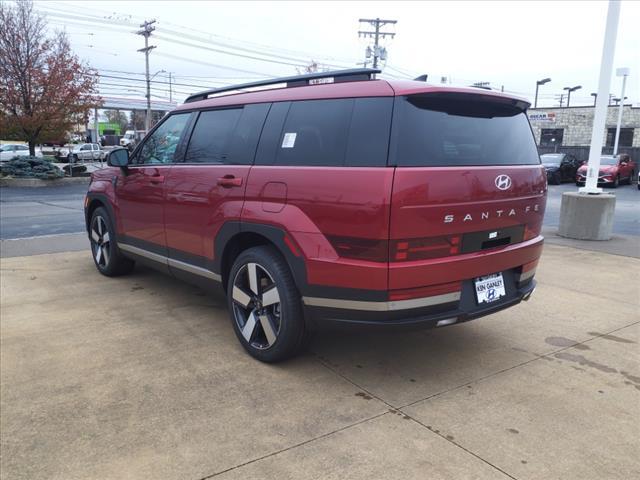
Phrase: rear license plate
x=490 y=288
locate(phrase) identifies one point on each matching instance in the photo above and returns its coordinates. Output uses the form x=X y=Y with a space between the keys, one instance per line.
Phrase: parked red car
x=613 y=170
x=331 y=198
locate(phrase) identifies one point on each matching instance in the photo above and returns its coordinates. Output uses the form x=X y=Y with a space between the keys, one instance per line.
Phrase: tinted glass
x=22 y=147
x=227 y=136
x=369 y=132
x=161 y=145
x=270 y=138
x=432 y=130
x=315 y=133
x=211 y=138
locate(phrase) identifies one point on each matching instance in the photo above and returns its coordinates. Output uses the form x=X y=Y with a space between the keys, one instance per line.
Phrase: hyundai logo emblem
x=503 y=182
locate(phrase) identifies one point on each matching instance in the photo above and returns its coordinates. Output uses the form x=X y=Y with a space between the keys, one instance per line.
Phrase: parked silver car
x=11 y=150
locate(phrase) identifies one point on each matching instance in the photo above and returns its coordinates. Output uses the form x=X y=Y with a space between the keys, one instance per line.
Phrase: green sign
x=111 y=127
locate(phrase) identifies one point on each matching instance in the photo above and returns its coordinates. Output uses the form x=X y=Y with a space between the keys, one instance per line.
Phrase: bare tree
x=44 y=87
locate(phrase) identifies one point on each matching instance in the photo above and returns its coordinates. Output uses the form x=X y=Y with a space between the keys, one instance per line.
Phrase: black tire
x=556 y=178
x=268 y=331
x=632 y=175
x=616 y=182
x=104 y=249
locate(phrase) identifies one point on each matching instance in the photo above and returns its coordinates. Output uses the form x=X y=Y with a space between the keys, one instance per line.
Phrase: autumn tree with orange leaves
x=44 y=88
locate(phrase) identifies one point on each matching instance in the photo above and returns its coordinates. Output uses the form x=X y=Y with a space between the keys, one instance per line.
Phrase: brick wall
x=577 y=123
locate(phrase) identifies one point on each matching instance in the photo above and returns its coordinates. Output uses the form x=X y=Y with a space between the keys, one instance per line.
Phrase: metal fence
x=582 y=153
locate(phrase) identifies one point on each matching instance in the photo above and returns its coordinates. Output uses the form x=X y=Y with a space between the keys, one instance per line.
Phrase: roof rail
x=336 y=76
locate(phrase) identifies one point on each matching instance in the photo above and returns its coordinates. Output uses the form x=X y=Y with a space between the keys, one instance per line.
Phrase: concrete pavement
x=142 y=377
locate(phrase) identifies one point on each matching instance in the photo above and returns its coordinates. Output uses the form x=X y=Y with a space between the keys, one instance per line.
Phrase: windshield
x=551 y=159
x=608 y=161
x=443 y=130
x=128 y=136
x=5 y=148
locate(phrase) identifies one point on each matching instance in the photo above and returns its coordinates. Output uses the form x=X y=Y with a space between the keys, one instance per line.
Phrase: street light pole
x=569 y=90
x=538 y=83
x=624 y=73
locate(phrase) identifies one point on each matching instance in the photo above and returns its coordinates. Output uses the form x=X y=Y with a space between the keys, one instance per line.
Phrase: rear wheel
x=632 y=175
x=106 y=255
x=556 y=179
x=265 y=305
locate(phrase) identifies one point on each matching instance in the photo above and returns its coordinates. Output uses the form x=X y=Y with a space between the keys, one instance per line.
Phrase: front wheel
x=265 y=305
x=106 y=255
x=616 y=182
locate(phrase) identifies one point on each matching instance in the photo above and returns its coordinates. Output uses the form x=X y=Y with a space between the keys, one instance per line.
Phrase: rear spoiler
x=442 y=101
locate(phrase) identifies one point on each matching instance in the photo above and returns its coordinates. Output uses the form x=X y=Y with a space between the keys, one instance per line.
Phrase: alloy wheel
x=100 y=241
x=256 y=305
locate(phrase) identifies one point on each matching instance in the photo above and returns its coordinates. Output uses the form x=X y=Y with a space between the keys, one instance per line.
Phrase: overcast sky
x=510 y=44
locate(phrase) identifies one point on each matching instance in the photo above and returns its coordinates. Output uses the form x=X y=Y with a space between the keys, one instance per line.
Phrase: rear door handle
x=156 y=179
x=229 y=181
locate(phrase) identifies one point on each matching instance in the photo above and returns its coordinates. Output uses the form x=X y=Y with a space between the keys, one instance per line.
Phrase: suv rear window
x=459 y=130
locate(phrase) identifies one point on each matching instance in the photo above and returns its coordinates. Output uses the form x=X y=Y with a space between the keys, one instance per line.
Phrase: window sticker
x=289 y=140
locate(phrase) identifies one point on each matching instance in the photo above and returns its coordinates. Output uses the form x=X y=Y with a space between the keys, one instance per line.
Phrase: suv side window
x=369 y=132
x=343 y=132
x=211 y=136
x=227 y=136
x=161 y=145
x=315 y=133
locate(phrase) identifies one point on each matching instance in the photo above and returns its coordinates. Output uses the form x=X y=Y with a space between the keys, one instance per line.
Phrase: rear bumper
x=447 y=309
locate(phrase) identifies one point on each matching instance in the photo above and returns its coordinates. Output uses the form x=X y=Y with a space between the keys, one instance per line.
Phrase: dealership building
x=571 y=126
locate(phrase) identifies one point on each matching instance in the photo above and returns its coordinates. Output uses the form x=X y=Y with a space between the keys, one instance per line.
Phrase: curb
x=36 y=182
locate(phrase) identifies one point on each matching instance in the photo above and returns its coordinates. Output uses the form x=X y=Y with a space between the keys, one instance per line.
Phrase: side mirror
x=118 y=157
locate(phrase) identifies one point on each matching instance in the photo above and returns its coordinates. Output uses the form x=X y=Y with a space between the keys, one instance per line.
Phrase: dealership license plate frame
x=487 y=291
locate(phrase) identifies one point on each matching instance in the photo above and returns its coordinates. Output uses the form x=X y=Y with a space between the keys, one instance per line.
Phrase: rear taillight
x=361 y=248
x=424 y=248
x=531 y=231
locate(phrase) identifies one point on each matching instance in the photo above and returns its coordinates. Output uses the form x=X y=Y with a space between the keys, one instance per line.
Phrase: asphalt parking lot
x=142 y=376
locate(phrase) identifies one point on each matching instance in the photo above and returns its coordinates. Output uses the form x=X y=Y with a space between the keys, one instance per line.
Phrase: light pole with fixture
x=538 y=83
x=595 y=97
x=569 y=90
x=624 y=73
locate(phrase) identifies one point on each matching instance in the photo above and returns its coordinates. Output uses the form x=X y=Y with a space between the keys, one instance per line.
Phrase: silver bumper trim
x=171 y=262
x=381 y=306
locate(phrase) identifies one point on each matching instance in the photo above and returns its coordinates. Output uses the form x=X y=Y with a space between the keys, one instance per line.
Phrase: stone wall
x=577 y=123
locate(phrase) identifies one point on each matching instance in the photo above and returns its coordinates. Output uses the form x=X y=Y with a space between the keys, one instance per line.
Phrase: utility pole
x=376 y=34
x=560 y=99
x=147 y=30
x=170 y=90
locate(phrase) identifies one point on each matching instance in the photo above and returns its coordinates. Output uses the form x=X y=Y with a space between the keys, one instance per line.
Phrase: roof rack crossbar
x=348 y=75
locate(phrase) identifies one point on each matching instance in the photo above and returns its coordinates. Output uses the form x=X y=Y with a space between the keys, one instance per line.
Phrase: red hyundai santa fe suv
x=331 y=198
